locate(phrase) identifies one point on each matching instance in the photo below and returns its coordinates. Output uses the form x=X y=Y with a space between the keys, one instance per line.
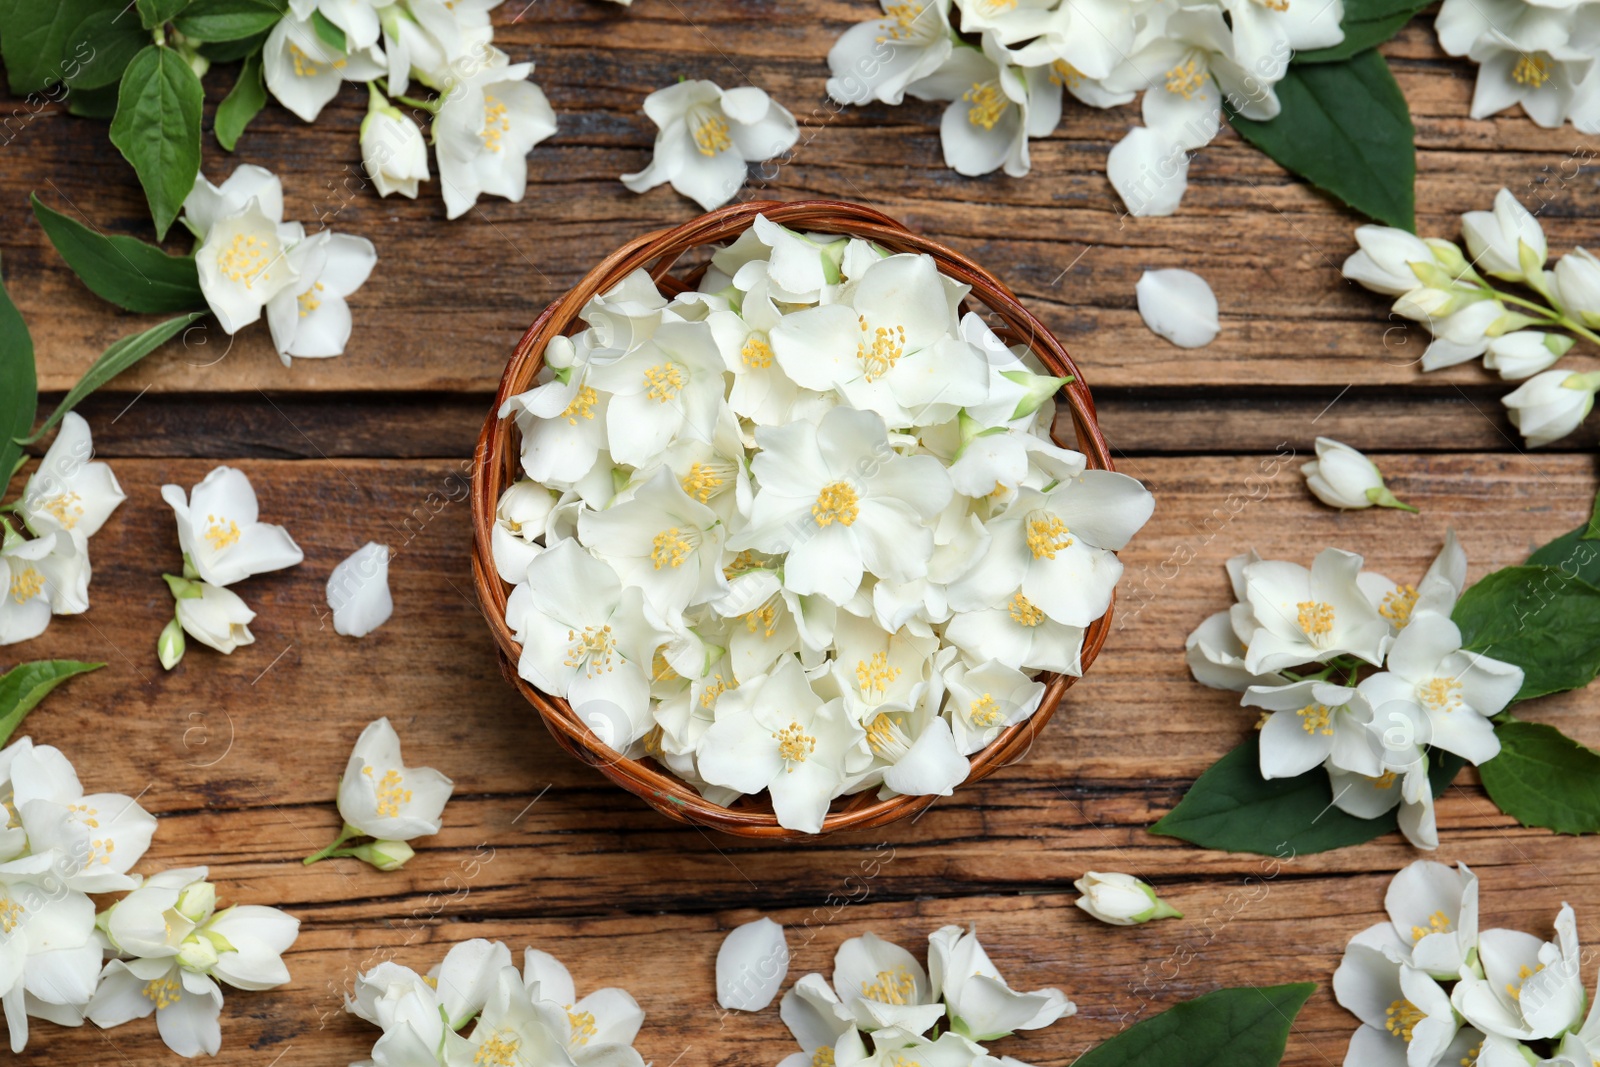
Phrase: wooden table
x=239 y=756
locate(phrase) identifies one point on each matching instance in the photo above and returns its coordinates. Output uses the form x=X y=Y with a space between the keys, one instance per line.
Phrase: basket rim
x=497 y=463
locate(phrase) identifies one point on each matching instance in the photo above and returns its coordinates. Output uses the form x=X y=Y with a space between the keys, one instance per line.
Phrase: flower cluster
x=1431 y=990
x=1541 y=56
x=1435 y=284
x=534 y=1016
x=162 y=948
x=63 y=504
x=250 y=260
x=1302 y=644
x=881 y=994
x=484 y=120
x=382 y=799
x=223 y=542
x=802 y=530
x=1004 y=73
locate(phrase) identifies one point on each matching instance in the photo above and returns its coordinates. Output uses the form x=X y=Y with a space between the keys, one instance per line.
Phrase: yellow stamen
x=66 y=509
x=764 y=619
x=711 y=136
x=1025 y=611
x=26 y=584
x=901 y=19
x=701 y=482
x=1187 y=78
x=219 y=536
x=392 y=794
x=10 y=915
x=583 y=1026
x=894 y=986
x=500 y=1050
x=989 y=104
x=664 y=381
x=245 y=260
x=985 y=712
x=1441 y=694
x=304 y=66
x=879 y=358
x=308 y=300
x=164 y=991
x=1047 y=535
x=756 y=353
x=1532 y=71
x=496 y=123
x=823 y=1057
x=582 y=406
x=1316 y=618
x=875 y=675
x=1402 y=1018
x=1398 y=604
x=668 y=548
x=592 y=649
x=836 y=502
x=794 y=744
x=1314 y=720
x=713 y=691
x=1438 y=923
x=1065 y=74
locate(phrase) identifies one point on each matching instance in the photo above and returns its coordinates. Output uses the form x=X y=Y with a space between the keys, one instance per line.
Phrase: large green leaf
x=1542 y=777
x=99 y=49
x=1367 y=24
x=23 y=686
x=1346 y=129
x=155 y=13
x=123 y=270
x=1241 y=1027
x=19 y=385
x=229 y=20
x=121 y=355
x=1577 y=552
x=244 y=100
x=230 y=51
x=98 y=103
x=1231 y=807
x=157 y=129
x=33 y=37
x=1543 y=619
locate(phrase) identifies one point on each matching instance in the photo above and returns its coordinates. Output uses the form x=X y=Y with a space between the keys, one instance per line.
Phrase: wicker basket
x=499 y=465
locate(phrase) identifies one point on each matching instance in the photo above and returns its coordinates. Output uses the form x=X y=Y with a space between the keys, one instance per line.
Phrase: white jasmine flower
x=206 y=204
x=392 y=149
x=1341 y=477
x=1311 y=615
x=814 y=1015
x=662 y=541
x=601 y=1026
x=980 y=1004
x=49 y=957
x=707 y=135
x=1082 y=39
x=1121 y=899
x=212 y=615
x=1507 y=242
x=1533 y=63
x=1551 y=405
x=881 y=985
x=1529 y=989
x=1576 y=285
x=1434 y=910
x=489 y=121
x=358 y=591
x=751 y=965
x=876 y=60
x=1406 y=1017
x=670 y=385
x=1436 y=592
x=406 y=1007
x=310 y=318
x=1405 y=784
x=987 y=699
x=995 y=106
x=520 y=518
x=243 y=264
x=38 y=577
x=91 y=840
x=1308 y=723
x=1265 y=36
x=358 y=19
x=220 y=532
x=841 y=502
x=1178 y=305
x=516 y=1026
x=1524 y=353
x=379 y=796
x=775 y=733
x=69 y=492
x=304 y=73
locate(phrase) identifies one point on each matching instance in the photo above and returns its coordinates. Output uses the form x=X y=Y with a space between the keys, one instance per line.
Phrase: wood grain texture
x=1269 y=245
x=239 y=757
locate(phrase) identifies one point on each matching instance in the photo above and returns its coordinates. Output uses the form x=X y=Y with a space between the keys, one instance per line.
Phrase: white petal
x=358 y=591
x=1178 y=305
x=751 y=965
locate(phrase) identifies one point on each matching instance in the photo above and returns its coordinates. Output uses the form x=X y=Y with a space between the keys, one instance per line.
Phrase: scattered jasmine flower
x=707 y=136
x=1341 y=477
x=381 y=798
x=220 y=531
x=1121 y=899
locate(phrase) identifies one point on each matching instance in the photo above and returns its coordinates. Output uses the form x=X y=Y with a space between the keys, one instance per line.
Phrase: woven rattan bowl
x=499 y=465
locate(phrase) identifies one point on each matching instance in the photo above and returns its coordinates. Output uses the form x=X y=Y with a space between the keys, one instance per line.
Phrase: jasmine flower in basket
x=803 y=530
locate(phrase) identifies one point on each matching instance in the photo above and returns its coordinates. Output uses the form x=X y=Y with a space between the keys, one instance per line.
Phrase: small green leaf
x=19 y=385
x=113 y=361
x=157 y=129
x=229 y=20
x=1231 y=807
x=1346 y=129
x=331 y=35
x=1242 y=1027
x=23 y=686
x=1367 y=24
x=247 y=97
x=157 y=13
x=1543 y=619
x=99 y=48
x=124 y=270
x=1542 y=777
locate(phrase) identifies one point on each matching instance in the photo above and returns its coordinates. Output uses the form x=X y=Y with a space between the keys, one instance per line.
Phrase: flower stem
x=430 y=106
x=334 y=849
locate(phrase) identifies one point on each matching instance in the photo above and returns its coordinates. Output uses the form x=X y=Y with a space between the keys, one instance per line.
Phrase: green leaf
x=1543 y=619
x=33 y=36
x=229 y=51
x=1577 y=552
x=99 y=49
x=121 y=355
x=1346 y=129
x=157 y=128
x=23 y=686
x=1242 y=1027
x=93 y=103
x=1542 y=777
x=124 y=270
x=229 y=20
x=19 y=385
x=247 y=97
x=155 y=13
x=1367 y=24
x=331 y=35
x=1231 y=807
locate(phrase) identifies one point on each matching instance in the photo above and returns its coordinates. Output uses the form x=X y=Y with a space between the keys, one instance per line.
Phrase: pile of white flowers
x=250 y=260
x=64 y=503
x=1436 y=285
x=802 y=530
x=162 y=948
x=534 y=1016
x=1299 y=644
x=1431 y=990
x=1542 y=56
x=1184 y=55
x=881 y=993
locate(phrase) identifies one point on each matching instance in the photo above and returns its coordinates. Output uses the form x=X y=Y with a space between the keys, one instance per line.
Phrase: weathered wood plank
x=449 y=301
